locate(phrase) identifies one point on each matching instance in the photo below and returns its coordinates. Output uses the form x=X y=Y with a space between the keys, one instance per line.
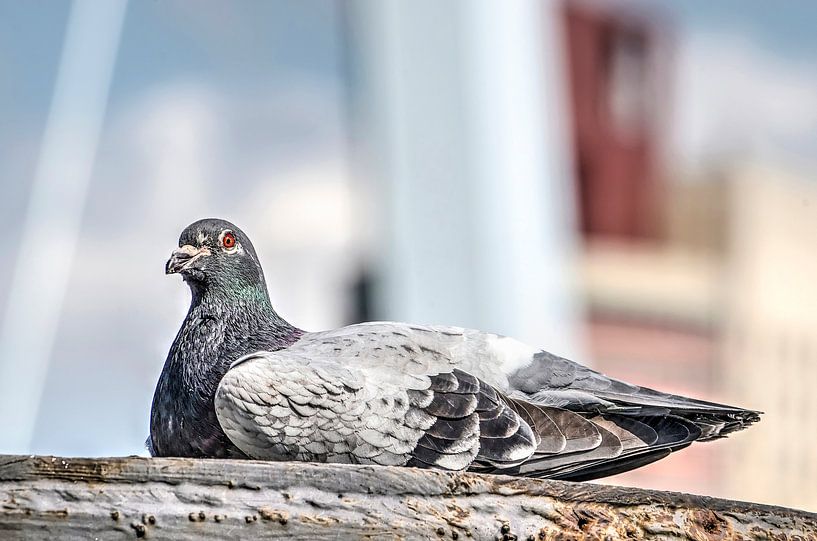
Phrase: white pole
x=524 y=203
x=459 y=120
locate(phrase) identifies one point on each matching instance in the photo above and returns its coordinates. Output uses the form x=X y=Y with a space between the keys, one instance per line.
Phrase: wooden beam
x=44 y=497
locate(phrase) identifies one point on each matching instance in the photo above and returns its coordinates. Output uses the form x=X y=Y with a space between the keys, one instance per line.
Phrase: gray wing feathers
x=580 y=434
x=277 y=406
x=450 y=398
x=470 y=418
x=636 y=425
x=551 y=380
x=274 y=406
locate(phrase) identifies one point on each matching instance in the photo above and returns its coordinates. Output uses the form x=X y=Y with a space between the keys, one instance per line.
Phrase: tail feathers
x=673 y=434
x=614 y=467
x=715 y=420
x=593 y=428
x=720 y=424
x=608 y=426
x=544 y=465
x=633 y=433
x=624 y=442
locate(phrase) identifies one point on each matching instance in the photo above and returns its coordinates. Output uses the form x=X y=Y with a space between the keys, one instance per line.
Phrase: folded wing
x=437 y=397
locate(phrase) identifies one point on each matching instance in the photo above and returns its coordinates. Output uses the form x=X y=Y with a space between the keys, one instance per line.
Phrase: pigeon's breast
x=183 y=421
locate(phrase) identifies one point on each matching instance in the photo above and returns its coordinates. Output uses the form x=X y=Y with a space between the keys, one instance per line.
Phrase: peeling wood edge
x=353 y=479
x=422 y=496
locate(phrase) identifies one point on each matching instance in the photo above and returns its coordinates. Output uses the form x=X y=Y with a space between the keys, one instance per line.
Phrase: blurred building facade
x=648 y=301
x=618 y=69
x=694 y=283
x=769 y=347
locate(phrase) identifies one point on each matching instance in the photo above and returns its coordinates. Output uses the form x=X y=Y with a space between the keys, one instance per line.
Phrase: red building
x=618 y=83
x=648 y=304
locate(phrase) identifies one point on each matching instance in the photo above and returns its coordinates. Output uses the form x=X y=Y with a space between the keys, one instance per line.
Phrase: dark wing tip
x=627 y=442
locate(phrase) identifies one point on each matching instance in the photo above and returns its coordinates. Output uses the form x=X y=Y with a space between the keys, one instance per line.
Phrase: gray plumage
x=397 y=394
x=230 y=315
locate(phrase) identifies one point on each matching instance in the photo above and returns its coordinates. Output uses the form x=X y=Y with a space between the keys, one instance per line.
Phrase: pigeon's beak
x=184 y=257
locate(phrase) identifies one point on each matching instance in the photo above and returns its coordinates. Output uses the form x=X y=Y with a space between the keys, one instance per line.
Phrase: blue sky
x=783 y=28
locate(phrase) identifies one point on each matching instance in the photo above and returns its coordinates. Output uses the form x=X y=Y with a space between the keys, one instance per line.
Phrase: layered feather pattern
x=449 y=398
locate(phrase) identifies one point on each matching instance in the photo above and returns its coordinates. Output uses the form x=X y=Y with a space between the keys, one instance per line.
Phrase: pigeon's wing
x=609 y=426
x=348 y=397
x=280 y=406
x=549 y=379
x=637 y=425
x=452 y=398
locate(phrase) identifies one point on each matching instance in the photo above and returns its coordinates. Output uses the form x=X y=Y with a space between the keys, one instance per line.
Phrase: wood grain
x=44 y=497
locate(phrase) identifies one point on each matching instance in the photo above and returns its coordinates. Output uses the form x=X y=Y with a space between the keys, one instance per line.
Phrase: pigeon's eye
x=228 y=241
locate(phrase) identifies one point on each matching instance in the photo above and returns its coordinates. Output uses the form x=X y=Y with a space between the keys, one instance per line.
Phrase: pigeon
x=241 y=382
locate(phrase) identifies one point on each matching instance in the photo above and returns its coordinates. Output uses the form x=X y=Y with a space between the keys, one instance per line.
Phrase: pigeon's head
x=215 y=253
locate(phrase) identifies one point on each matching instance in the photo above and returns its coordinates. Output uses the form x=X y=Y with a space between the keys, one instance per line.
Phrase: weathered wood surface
x=119 y=498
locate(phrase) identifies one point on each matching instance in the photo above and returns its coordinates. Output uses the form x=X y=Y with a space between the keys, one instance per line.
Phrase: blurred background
x=632 y=184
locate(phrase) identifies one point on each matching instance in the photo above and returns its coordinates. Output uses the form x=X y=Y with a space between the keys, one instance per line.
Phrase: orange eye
x=228 y=241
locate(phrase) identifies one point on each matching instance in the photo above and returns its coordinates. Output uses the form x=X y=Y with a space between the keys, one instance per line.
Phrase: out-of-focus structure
x=458 y=132
x=618 y=78
x=769 y=346
x=649 y=300
x=722 y=308
x=698 y=283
